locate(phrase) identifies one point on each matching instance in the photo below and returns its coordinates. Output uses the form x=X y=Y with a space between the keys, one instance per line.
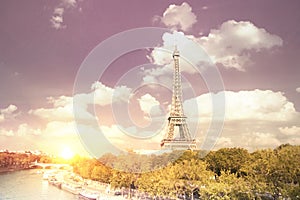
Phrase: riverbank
x=80 y=187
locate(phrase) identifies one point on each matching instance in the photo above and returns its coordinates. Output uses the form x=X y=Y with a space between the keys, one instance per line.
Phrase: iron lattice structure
x=178 y=135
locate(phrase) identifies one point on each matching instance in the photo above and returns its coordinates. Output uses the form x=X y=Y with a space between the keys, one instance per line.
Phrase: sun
x=67 y=153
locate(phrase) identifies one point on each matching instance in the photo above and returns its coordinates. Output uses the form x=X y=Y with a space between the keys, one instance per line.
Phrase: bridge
x=49 y=165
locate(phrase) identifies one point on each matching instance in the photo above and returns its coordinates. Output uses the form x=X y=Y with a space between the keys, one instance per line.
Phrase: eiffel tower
x=178 y=136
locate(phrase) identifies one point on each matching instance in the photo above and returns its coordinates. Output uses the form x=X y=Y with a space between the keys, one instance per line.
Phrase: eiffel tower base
x=178 y=144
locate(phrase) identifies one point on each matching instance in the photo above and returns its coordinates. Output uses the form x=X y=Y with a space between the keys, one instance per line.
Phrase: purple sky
x=43 y=44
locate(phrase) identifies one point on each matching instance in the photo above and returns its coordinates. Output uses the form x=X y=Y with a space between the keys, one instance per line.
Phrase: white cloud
x=59 y=11
x=293 y=140
x=249 y=140
x=224 y=142
x=289 y=131
x=60 y=129
x=8 y=112
x=61 y=110
x=229 y=45
x=114 y=134
x=60 y=101
x=57 y=18
x=104 y=95
x=161 y=75
x=260 y=105
x=64 y=113
x=257 y=140
x=124 y=139
x=7 y=133
x=69 y=3
x=101 y=95
x=263 y=105
x=24 y=129
x=199 y=107
x=253 y=119
x=149 y=105
x=52 y=129
x=179 y=17
x=298 y=89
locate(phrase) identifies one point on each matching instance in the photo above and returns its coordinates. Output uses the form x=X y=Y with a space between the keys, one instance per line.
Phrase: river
x=29 y=185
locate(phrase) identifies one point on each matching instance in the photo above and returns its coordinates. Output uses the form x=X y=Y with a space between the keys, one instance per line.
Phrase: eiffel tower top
x=176 y=52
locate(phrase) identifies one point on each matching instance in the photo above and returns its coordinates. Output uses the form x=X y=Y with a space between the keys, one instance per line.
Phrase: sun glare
x=67 y=153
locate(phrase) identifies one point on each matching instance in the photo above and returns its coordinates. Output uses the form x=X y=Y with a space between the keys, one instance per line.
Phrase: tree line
x=228 y=173
x=11 y=160
x=17 y=160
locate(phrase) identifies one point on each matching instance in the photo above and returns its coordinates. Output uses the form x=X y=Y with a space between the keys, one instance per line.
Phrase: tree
x=101 y=173
x=180 y=178
x=228 y=186
x=121 y=179
x=227 y=159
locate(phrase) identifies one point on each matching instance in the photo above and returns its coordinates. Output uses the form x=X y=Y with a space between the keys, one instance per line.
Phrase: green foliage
x=277 y=171
x=101 y=173
x=121 y=179
x=227 y=159
x=229 y=173
x=228 y=186
x=182 y=177
x=91 y=169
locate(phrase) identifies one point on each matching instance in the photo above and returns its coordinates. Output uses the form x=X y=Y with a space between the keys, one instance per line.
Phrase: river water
x=29 y=185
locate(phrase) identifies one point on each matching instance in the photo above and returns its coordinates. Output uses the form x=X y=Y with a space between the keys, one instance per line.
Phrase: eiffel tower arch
x=178 y=136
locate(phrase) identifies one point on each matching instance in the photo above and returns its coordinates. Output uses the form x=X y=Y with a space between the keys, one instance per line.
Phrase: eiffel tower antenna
x=178 y=135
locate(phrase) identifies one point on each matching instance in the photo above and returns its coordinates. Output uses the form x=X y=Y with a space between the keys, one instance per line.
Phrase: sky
x=92 y=76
